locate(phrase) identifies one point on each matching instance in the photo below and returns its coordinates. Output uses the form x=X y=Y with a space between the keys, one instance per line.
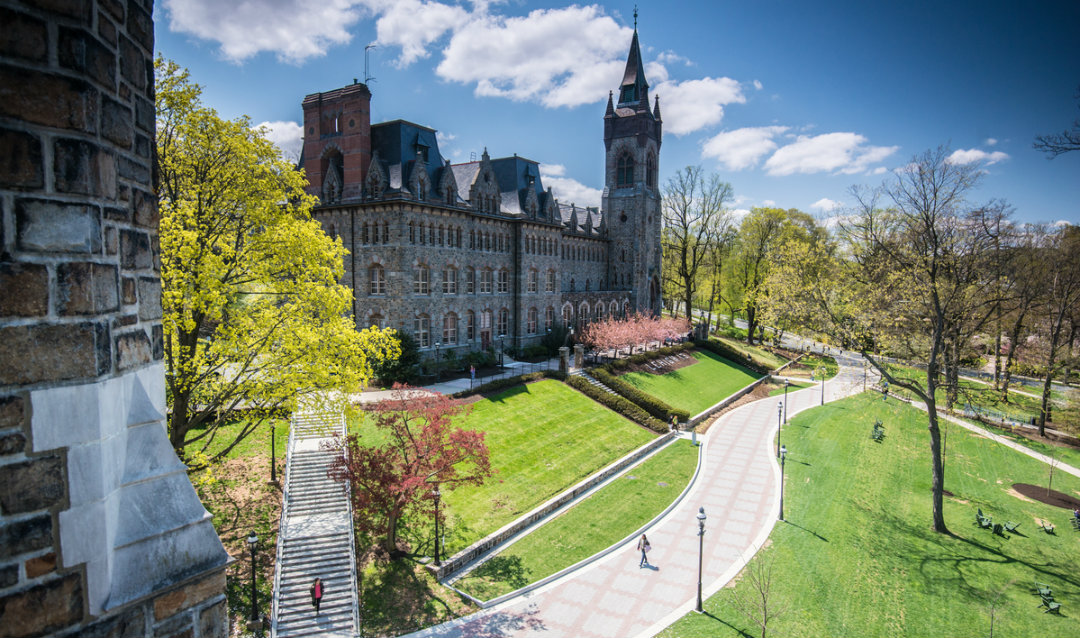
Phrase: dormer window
x=629 y=94
x=422 y=151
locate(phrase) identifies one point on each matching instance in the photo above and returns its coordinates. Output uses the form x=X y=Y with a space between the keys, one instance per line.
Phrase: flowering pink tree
x=635 y=330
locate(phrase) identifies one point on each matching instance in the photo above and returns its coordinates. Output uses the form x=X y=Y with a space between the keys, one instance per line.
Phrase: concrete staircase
x=316 y=539
x=580 y=372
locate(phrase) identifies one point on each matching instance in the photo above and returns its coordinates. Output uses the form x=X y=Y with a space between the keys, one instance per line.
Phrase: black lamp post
x=253 y=541
x=786 y=384
x=783 y=457
x=273 y=452
x=779 y=419
x=437 y=368
x=822 y=371
x=435 y=492
x=701 y=553
x=500 y=350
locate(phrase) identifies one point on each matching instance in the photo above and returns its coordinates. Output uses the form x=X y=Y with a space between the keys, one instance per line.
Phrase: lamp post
x=252 y=541
x=435 y=492
x=701 y=553
x=437 y=369
x=822 y=371
x=500 y=350
x=273 y=452
x=786 y=384
x=783 y=457
x=779 y=419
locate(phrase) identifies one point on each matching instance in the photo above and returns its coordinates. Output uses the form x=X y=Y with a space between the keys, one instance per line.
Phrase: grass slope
x=857 y=556
x=596 y=523
x=543 y=438
x=757 y=354
x=696 y=386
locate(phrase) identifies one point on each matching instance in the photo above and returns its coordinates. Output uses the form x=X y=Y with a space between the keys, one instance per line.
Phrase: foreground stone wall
x=101 y=534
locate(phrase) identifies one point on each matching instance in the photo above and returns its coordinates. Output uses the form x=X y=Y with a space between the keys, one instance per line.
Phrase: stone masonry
x=101 y=534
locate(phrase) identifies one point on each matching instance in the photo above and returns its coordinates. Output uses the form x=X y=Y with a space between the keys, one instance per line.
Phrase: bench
x=1052 y=607
x=982 y=520
x=1047 y=527
x=1043 y=590
x=999 y=529
x=1011 y=526
x=878 y=432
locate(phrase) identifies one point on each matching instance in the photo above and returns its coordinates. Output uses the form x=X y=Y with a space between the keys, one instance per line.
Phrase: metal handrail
x=352 y=538
x=281 y=532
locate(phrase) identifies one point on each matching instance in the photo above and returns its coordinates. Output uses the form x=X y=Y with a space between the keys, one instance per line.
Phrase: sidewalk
x=613 y=597
x=510 y=368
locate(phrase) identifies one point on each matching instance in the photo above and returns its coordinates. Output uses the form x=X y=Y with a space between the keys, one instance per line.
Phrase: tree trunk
x=937 y=484
x=751 y=323
x=1013 y=339
x=997 y=358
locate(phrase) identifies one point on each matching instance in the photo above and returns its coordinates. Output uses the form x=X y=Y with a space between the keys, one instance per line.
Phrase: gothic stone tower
x=337 y=142
x=632 y=136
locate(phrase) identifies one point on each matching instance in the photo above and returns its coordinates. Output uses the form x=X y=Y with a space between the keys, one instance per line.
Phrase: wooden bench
x=982 y=520
x=1043 y=590
x=1011 y=526
x=1051 y=606
x=1047 y=527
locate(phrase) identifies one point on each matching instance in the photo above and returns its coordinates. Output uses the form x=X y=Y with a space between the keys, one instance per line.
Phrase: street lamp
x=822 y=371
x=437 y=369
x=435 y=492
x=779 y=418
x=252 y=541
x=500 y=350
x=786 y=384
x=783 y=457
x=701 y=553
x=273 y=452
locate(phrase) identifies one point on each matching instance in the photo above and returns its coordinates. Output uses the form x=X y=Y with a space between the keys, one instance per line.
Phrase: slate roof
x=397 y=142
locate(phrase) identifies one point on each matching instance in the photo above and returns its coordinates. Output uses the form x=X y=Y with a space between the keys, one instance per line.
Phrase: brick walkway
x=613 y=597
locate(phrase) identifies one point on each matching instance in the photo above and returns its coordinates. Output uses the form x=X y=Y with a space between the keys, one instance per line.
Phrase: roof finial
x=635 y=17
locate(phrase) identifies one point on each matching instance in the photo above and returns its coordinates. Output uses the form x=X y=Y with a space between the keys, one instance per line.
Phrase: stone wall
x=101 y=534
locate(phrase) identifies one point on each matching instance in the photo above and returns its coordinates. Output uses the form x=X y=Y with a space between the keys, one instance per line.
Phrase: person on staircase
x=317 y=592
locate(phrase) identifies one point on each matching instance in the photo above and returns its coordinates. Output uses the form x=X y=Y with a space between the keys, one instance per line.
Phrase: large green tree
x=255 y=321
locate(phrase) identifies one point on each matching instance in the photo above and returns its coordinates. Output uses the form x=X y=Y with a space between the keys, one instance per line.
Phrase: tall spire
x=634 y=87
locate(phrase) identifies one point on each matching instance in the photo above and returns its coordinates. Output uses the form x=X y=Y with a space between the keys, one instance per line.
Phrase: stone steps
x=585 y=375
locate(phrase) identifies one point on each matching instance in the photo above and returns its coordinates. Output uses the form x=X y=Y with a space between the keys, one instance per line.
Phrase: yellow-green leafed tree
x=255 y=320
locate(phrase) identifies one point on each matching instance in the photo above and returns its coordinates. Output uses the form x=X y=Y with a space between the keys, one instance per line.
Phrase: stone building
x=470 y=255
x=101 y=534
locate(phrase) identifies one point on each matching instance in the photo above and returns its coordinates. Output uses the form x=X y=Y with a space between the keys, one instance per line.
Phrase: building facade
x=477 y=255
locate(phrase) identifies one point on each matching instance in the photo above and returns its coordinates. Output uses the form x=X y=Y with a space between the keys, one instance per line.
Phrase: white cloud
x=825 y=204
x=293 y=29
x=768 y=203
x=694 y=104
x=560 y=57
x=991 y=141
x=758 y=85
x=670 y=57
x=742 y=148
x=969 y=156
x=567 y=189
x=845 y=153
x=880 y=170
x=739 y=213
x=287 y=136
x=415 y=24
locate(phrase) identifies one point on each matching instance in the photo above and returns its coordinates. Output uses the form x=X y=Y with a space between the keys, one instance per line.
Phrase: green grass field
x=596 y=523
x=857 y=556
x=696 y=386
x=757 y=354
x=543 y=438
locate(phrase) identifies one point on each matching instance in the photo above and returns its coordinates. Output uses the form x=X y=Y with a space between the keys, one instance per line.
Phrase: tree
x=694 y=218
x=424 y=451
x=1059 y=304
x=901 y=281
x=1064 y=142
x=755 y=599
x=254 y=318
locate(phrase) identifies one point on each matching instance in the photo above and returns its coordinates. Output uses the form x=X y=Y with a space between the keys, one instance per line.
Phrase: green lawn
x=596 y=523
x=697 y=386
x=757 y=354
x=857 y=556
x=543 y=438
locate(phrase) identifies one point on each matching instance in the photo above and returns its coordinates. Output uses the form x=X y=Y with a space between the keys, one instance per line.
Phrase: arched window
x=412 y=233
x=504 y=322
x=386 y=232
x=626 y=308
x=449 y=329
x=376 y=280
x=531 y=327
x=583 y=314
x=599 y=311
x=485 y=281
x=449 y=281
x=549 y=285
x=422 y=280
x=567 y=314
x=549 y=318
x=422 y=326
x=470 y=325
x=650 y=171
x=534 y=280
x=624 y=170
x=504 y=281
x=376 y=320
x=588 y=284
x=423 y=233
x=470 y=281
x=613 y=309
x=571 y=284
x=364 y=233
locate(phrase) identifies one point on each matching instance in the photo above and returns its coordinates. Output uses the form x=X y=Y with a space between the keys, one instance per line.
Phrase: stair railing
x=281 y=531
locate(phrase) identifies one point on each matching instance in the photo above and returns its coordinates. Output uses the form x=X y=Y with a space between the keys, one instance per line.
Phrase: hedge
x=618 y=404
x=725 y=351
x=509 y=382
x=649 y=403
x=645 y=357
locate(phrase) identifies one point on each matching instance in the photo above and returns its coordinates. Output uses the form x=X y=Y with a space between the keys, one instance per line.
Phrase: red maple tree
x=425 y=451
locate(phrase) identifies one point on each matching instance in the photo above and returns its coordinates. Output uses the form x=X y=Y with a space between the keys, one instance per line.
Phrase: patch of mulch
x=670 y=364
x=1051 y=497
x=760 y=391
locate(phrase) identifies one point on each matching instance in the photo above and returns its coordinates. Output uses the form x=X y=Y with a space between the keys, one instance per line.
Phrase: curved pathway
x=613 y=597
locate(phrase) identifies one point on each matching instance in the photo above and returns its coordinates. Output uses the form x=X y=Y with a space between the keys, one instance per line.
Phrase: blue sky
x=790 y=102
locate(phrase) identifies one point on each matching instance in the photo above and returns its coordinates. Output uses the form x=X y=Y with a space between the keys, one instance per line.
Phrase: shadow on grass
x=395 y=599
x=808 y=531
x=504 y=569
x=741 y=632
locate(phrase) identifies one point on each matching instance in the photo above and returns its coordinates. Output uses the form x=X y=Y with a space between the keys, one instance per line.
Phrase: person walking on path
x=316 y=594
x=644 y=547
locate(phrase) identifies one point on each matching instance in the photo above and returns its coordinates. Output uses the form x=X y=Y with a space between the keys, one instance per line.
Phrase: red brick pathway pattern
x=613 y=597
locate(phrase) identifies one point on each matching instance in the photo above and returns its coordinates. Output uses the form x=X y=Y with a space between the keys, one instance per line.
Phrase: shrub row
x=618 y=404
x=644 y=357
x=731 y=354
x=647 y=402
x=509 y=382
